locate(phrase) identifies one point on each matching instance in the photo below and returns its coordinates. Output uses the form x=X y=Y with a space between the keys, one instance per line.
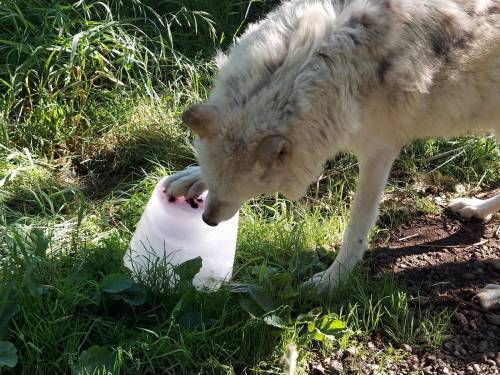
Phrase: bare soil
x=445 y=261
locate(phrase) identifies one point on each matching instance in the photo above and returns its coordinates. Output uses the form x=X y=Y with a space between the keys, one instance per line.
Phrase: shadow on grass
x=147 y=138
x=445 y=264
x=102 y=172
x=128 y=162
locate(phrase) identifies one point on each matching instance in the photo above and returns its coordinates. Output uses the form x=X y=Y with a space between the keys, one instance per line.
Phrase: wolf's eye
x=282 y=154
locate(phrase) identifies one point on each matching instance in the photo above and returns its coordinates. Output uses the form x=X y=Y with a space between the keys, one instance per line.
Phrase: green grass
x=91 y=94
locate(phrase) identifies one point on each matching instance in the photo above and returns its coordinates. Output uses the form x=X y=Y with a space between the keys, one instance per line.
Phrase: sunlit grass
x=90 y=98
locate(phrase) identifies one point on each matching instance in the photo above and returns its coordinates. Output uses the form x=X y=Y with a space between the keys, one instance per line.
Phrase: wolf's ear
x=273 y=149
x=202 y=119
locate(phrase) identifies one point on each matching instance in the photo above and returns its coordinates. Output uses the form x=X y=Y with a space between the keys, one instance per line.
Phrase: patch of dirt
x=446 y=261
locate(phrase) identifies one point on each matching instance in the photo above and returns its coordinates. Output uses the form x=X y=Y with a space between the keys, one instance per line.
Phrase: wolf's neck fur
x=306 y=70
x=316 y=61
x=341 y=72
x=273 y=67
x=272 y=52
x=404 y=47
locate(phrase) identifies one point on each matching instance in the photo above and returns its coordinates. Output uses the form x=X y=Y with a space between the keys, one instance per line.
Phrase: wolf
x=319 y=77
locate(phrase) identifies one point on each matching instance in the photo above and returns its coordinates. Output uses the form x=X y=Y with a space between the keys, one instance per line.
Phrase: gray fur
x=365 y=76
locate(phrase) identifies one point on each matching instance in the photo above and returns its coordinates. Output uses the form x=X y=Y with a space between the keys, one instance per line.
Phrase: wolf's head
x=237 y=167
x=250 y=134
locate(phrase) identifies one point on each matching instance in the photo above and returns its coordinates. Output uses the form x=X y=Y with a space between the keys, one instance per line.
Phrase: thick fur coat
x=317 y=77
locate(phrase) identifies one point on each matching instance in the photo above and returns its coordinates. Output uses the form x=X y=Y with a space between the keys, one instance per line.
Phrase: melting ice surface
x=175 y=230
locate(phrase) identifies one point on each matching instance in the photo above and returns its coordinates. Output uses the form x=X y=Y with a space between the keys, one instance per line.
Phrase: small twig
x=442 y=283
x=481 y=180
x=447 y=161
x=440 y=155
x=456 y=246
x=439 y=246
x=408 y=237
x=476 y=244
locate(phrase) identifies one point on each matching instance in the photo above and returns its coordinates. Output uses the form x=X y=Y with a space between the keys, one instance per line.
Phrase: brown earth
x=445 y=261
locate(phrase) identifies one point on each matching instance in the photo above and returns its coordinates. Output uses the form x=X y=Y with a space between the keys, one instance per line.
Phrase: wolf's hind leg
x=489 y=297
x=478 y=208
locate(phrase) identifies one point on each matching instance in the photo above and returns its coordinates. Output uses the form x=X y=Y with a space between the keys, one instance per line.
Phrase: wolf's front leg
x=373 y=173
x=187 y=183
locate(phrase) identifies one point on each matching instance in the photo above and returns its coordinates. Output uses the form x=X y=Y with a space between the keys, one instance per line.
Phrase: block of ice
x=175 y=230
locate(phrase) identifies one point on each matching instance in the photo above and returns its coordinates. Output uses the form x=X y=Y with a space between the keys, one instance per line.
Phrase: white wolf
x=317 y=77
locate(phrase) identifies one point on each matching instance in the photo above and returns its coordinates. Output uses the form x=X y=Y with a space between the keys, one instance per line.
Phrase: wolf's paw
x=187 y=183
x=324 y=282
x=489 y=297
x=469 y=208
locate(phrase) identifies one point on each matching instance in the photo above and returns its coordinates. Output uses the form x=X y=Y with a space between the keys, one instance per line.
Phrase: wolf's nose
x=208 y=222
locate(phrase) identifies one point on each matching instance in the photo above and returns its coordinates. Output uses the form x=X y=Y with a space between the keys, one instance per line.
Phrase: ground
x=445 y=261
x=91 y=95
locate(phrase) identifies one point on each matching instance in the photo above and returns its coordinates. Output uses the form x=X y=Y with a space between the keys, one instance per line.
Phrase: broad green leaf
x=263 y=272
x=185 y=303
x=290 y=292
x=311 y=327
x=305 y=262
x=94 y=359
x=330 y=325
x=318 y=336
x=39 y=242
x=33 y=285
x=262 y=298
x=134 y=296
x=188 y=270
x=116 y=283
x=190 y=320
x=281 y=280
x=251 y=307
x=310 y=316
x=7 y=312
x=8 y=354
x=275 y=321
